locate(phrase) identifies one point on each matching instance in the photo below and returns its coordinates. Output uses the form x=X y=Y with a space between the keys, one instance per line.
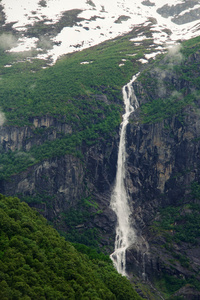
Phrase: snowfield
x=98 y=20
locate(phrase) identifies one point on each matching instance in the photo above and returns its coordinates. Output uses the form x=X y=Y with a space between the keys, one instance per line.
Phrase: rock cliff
x=58 y=185
x=163 y=173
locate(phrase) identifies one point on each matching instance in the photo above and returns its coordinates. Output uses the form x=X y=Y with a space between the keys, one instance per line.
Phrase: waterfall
x=125 y=234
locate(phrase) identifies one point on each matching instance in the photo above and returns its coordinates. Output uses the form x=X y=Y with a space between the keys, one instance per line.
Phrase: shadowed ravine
x=125 y=234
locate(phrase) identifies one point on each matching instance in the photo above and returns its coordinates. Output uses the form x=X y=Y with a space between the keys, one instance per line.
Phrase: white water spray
x=125 y=234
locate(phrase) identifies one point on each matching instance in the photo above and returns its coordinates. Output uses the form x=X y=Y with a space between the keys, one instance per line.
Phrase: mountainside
x=48 y=29
x=60 y=129
x=163 y=173
x=36 y=263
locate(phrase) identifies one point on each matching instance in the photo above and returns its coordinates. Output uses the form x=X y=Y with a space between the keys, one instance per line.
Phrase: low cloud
x=45 y=43
x=161 y=75
x=2 y=118
x=174 y=54
x=7 y=41
x=174 y=57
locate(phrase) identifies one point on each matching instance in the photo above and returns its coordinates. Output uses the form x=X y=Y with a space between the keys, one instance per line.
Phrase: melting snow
x=152 y=55
x=139 y=38
x=25 y=45
x=134 y=54
x=143 y=61
x=86 y=62
x=189 y=9
x=98 y=24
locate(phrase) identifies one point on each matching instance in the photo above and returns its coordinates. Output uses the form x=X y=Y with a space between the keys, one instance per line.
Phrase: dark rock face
x=23 y=138
x=162 y=163
x=155 y=156
x=56 y=185
x=169 y=11
x=60 y=179
x=188 y=293
x=177 y=12
x=148 y=3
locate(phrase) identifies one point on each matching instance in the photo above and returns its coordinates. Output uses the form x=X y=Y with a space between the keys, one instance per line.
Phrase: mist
x=2 y=118
x=174 y=54
x=7 y=41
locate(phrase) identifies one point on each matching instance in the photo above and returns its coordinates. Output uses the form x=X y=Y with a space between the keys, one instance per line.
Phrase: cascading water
x=125 y=234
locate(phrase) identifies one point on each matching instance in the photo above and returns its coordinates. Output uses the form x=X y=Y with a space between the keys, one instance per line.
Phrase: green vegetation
x=67 y=88
x=160 y=109
x=180 y=223
x=177 y=77
x=39 y=198
x=36 y=263
x=170 y=284
x=85 y=96
x=76 y=221
x=177 y=225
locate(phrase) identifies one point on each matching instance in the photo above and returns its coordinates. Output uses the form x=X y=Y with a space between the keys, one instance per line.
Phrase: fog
x=7 y=41
x=2 y=118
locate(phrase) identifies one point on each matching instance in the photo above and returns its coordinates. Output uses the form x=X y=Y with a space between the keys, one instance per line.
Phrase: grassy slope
x=67 y=92
x=57 y=90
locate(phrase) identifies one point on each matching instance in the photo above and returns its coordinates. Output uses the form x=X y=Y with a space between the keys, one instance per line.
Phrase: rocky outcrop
x=23 y=138
x=162 y=163
x=148 y=3
x=56 y=185
x=181 y=13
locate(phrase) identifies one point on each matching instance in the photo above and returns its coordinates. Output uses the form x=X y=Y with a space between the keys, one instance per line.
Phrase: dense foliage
x=79 y=217
x=36 y=263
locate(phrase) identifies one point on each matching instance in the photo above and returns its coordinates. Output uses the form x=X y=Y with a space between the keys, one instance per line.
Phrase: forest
x=37 y=263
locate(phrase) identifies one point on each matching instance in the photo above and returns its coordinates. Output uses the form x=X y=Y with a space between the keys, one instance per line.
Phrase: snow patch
x=98 y=23
x=152 y=55
x=25 y=45
x=86 y=62
x=143 y=61
x=190 y=9
x=139 y=38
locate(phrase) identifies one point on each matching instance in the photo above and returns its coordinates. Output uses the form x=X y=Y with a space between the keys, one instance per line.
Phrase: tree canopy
x=37 y=263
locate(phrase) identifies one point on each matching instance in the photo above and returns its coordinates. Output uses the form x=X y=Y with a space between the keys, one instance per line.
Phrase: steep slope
x=36 y=263
x=163 y=173
x=60 y=134
x=59 y=137
x=50 y=28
